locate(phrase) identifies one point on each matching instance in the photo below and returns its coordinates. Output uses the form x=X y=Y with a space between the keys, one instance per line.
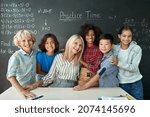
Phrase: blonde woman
x=65 y=68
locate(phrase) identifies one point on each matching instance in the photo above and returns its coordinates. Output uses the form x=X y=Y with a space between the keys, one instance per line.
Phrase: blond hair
x=23 y=34
x=67 y=52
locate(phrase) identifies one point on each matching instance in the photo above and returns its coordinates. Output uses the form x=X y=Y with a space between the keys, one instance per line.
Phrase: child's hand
x=27 y=94
x=79 y=87
x=113 y=60
x=28 y=87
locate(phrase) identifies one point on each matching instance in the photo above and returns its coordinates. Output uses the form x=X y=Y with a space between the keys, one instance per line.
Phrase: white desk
x=64 y=93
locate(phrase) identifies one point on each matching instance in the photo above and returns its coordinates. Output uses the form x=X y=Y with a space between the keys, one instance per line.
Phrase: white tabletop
x=64 y=93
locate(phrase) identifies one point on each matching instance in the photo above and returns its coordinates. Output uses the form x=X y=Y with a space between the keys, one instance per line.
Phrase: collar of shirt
x=93 y=46
x=107 y=55
x=25 y=53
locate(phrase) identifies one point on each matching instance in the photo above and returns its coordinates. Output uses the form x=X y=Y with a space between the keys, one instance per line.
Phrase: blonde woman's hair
x=23 y=34
x=67 y=52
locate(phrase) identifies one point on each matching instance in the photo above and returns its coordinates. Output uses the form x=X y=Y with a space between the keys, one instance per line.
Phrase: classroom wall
x=64 y=18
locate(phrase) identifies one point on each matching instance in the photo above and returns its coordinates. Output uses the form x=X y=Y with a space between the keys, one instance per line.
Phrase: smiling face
x=26 y=44
x=50 y=45
x=125 y=38
x=90 y=37
x=105 y=46
x=76 y=46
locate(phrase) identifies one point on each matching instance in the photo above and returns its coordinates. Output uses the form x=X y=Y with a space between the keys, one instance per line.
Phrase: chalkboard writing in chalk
x=64 y=18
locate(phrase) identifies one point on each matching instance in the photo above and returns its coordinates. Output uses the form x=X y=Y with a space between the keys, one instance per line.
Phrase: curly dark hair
x=44 y=39
x=84 y=29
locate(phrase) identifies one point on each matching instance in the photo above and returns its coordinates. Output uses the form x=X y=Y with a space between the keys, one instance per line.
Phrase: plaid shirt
x=92 y=56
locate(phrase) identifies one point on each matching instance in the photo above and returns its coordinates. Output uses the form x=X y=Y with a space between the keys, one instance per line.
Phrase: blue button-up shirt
x=108 y=72
x=23 y=66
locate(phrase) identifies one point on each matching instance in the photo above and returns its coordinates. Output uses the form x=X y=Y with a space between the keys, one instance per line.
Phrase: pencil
x=130 y=97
